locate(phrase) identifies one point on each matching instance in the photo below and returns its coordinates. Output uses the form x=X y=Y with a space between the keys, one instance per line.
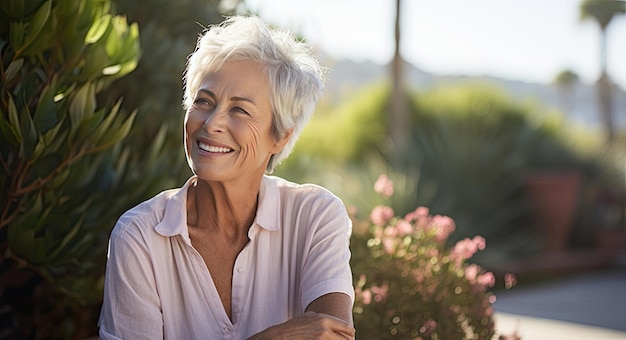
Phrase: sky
x=526 y=40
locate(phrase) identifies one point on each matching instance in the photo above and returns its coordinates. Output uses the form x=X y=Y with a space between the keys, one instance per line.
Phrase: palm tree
x=602 y=12
x=398 y=117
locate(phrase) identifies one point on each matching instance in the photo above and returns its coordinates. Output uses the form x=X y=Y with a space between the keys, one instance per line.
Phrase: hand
x=310 y=325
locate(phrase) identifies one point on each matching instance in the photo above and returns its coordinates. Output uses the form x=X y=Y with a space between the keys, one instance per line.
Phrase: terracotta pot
x=553 y=197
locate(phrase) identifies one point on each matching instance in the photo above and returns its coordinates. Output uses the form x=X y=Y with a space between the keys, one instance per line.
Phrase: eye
x=240 y=110
x=203 y=103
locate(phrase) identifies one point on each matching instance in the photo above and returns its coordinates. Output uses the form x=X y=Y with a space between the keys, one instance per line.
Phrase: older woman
x=236 y=253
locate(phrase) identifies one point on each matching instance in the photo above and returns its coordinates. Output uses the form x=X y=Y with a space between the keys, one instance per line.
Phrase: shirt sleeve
x=326 y=267
x=131 y=307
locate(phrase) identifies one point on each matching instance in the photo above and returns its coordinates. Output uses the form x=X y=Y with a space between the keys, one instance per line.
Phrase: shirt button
x=239 y=270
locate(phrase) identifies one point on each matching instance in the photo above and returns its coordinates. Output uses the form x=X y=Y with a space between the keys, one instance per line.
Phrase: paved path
x=531 y=328
x=588 y=306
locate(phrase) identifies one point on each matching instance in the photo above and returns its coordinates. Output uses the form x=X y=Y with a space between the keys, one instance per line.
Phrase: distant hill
x=348 y=76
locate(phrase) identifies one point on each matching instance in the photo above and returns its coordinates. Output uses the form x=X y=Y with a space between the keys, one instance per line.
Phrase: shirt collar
x=174 y=220
x=268 y=212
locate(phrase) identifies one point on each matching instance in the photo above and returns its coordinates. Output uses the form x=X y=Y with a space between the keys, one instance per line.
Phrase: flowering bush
x=411 y=285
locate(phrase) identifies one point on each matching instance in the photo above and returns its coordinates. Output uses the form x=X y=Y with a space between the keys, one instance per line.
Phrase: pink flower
x=416 y=214
x=471 y=272
x=488 y=311
x=444 y=227
x=389 y=244
x=403 y=227
x=466 y=248
x=384 y=186
x=433 y=252
x=380 y=293
x=390 y=231
x=486 y=280
x=509 y=280
x=366 y=295
x=480 y=242
x=381 y=214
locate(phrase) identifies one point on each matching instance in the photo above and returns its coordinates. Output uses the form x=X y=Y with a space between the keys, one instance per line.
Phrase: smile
x=211 y=148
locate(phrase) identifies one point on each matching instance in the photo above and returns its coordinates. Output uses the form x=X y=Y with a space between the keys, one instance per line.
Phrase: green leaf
x=30 y=138
x=51 y=134
x=23 y=232
x=19 y=9
x=106 y=123
x=82 y=104
x=156 y=145
x=98 y=29
x=14 y=122
x=7 y=131
x=68 y=237
x=43 y=41
x=47 y=165
x=36 y=24
x=60 y=179
x=90 y=124
x=45 y=113
x=40 y=147
x=14 y=68
x=16 y=31
x=116 y=135
x=122 y=47
x=55 y=139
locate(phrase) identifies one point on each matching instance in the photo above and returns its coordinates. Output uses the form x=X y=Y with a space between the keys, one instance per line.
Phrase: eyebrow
x=235 y=98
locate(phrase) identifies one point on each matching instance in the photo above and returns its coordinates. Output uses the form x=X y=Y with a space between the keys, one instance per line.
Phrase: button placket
x=239 y=282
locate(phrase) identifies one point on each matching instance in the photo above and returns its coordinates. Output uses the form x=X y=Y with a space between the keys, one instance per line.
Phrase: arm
x=131 y=308
x=338 y=305
x=327 y=280
x=327 y=317
x=310 y=325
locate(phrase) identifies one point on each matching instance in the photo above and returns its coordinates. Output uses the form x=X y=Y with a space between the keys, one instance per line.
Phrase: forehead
x=238 y=75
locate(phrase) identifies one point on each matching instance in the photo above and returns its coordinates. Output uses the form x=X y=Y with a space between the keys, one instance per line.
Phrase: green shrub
x=471 y=147
x=411 y=285
x=476 y=147
x=52 y=277
x=56 y=139
x=349 y=132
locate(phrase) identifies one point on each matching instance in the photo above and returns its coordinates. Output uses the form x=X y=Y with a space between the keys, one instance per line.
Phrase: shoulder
x=306 y=193
x=309 y=205
x=142 y=218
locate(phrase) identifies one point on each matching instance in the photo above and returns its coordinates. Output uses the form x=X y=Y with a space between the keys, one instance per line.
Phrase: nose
x=216 y=121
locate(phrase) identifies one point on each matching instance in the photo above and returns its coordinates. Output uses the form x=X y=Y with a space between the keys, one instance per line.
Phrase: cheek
x=255 y=140
x=189 y=126
x=192 y=123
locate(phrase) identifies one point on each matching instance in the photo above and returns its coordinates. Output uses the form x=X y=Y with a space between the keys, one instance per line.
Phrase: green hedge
x=471 y=147
x=73 y=158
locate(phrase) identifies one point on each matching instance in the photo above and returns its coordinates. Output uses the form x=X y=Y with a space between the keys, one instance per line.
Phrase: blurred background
x=508 y=116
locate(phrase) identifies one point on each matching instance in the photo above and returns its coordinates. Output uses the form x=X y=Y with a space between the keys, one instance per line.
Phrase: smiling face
x=228 y=126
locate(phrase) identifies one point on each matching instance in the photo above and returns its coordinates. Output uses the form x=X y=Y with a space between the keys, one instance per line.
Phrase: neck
x=226 y=208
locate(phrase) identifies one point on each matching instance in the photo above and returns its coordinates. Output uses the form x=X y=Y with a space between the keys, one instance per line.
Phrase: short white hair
x=295 y=77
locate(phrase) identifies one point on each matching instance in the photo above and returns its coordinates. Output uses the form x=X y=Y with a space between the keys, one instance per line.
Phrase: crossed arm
x=327 y=317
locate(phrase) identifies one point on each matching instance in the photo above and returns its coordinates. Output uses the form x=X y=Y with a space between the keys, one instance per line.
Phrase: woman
x=236 y=253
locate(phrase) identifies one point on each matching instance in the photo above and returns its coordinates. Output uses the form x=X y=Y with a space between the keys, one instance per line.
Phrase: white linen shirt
x=157 y=285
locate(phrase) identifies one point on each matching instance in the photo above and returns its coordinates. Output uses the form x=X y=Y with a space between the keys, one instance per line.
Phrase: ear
x=279 y=145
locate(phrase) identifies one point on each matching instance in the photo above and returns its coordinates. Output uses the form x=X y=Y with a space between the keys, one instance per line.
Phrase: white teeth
x=210 y=148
